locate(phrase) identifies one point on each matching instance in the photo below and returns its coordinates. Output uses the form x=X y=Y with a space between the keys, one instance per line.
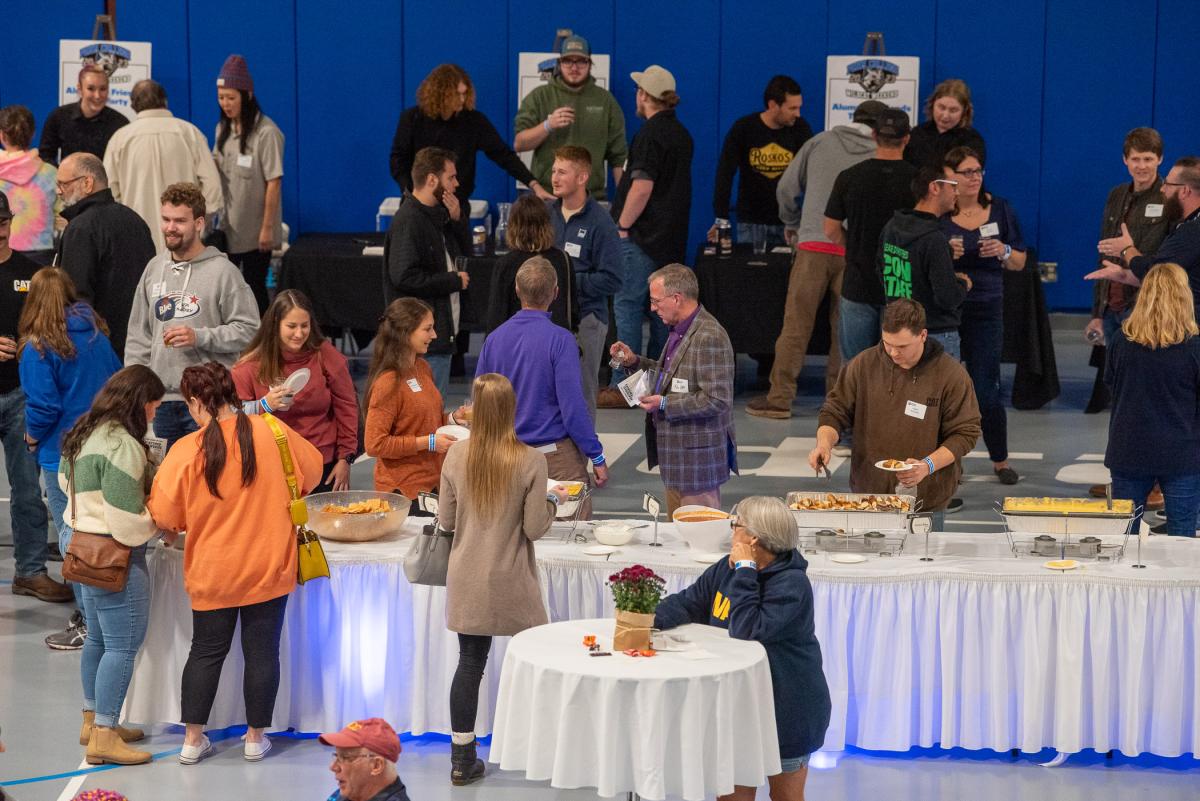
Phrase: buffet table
x=976 y=649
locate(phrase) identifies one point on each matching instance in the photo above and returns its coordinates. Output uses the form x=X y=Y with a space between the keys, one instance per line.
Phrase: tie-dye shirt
x=29 y=184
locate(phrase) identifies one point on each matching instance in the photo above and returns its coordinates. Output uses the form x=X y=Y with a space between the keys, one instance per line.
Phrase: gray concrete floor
x=1056 y=449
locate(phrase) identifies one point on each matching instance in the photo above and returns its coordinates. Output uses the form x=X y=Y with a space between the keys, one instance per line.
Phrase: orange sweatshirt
x=240 y=548
x=402 y=412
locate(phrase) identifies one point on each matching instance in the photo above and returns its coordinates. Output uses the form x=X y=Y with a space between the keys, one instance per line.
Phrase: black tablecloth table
x=346 y=287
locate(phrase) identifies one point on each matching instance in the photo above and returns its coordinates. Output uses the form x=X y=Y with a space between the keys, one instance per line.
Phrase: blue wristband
x=599 y=460
x=929 y=462
x=263 y=402
x=738 y=565
x=662 y=404
x=550 y=496
x=432 y=442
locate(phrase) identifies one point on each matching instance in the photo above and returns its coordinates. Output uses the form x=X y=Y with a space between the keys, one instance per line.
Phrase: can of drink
x=479 y=240
x=725 y=239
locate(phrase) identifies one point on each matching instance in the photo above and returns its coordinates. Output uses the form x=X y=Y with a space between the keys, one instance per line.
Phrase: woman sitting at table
x=761 y=592
x=530 y=233
x=1153 y=371
x=494 y=498
x=325 y=410
x=404 y=407
x=225 y=486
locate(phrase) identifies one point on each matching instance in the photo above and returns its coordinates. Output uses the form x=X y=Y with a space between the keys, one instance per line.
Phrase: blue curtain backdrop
x=1057 y=83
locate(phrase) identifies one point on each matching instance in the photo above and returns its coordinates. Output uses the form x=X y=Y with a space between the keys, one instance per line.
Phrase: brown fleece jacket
x=872 y=393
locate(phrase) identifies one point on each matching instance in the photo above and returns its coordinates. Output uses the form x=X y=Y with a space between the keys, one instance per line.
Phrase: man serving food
x=906 y=399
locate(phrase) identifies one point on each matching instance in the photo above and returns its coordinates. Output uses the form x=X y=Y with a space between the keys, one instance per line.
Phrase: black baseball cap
x=893 y=123
x=5 y=209
x=868 y=112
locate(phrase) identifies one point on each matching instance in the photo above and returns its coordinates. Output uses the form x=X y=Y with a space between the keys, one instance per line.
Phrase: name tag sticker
x=914 y=409
x=572 y=249
x=245 y=160
x=679 y=385
x=989 y=229
x=156 y=289
x=1154 y=209
x=414 y=384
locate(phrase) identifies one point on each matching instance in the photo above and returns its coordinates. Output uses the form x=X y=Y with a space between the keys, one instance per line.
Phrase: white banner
x=849 y=80
x=125 y=62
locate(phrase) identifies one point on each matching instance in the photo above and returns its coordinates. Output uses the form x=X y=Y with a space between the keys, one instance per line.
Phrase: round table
x=690 y=723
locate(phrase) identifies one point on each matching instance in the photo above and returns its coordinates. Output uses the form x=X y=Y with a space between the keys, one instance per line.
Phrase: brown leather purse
x=97 y=560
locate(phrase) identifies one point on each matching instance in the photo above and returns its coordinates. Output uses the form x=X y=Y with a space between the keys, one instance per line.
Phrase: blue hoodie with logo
x=773 y=606
x=58 y=390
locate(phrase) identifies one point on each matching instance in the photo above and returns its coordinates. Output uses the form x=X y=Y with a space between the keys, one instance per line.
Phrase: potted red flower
x=636 y=592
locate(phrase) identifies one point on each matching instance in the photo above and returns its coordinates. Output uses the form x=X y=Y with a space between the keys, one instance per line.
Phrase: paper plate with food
x=893 y=465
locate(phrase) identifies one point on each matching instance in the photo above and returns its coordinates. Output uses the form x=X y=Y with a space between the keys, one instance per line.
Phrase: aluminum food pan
x=835 y=519
x=1072 y=524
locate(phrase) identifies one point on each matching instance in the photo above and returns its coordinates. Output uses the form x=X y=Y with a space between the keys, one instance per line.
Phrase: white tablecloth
x=976 y=649
x=654 y=726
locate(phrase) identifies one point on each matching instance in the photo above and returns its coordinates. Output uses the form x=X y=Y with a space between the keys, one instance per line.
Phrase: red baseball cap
x=373 y=734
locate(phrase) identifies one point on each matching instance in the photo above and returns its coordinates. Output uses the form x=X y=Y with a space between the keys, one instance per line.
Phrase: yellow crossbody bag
x=311 y=562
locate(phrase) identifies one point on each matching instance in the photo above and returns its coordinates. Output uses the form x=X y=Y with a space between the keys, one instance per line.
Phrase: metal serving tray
x=852 y=520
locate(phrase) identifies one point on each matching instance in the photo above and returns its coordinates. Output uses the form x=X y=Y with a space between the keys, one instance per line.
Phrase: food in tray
x=574 y=489
x=701 y=516
x=370 y=506
x=831 y=502
x=1067 y=506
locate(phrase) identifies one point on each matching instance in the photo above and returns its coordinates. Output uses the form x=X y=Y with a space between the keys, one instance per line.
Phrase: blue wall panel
x=1057 y=83
x=347 y=107
x=1087 y=111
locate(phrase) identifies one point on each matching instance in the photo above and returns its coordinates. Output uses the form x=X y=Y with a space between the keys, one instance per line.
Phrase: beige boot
x=89 y=720
x=106 y=746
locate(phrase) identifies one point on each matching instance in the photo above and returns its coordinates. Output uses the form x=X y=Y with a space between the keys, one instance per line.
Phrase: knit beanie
x=235 y=74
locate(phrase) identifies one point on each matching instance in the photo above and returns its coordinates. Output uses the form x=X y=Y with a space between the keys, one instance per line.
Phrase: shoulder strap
x=285 y=454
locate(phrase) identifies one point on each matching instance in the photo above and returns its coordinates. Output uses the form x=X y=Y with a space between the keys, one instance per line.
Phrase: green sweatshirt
x=110 y=487
x=599 y=127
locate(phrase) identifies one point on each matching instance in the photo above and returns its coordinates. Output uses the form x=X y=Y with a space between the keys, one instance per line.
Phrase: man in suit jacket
x=689 y=424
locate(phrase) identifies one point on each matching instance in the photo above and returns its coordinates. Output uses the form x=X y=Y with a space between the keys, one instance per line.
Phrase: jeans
x=464 y=689
x=950 y=343
x=439 y=363
x=1181 y=494
x=116 y=627
x=632 y=303
x=254 y=265
x=982 y=332
x=858 y=327
x=745 y=233
x=212 y=634
x=812 y=276
x=56 y=499
x=173 y=422
x=1111 y=321
x=591 y=353
x=26 y=511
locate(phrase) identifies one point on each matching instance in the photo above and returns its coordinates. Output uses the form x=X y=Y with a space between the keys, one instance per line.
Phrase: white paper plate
x=1061 y=564
x=599 y=550
x=879 y=464
x=708 y=558
x=847 y=558
x=458 y=432
x=297 y=380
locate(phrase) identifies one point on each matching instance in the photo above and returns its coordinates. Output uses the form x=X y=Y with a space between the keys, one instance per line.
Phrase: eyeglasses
x=946 y=181
x=656 y=302
x=574 y=62
x=1173 y=183
x=64 y=184
x=976 y=173
x=343 y=758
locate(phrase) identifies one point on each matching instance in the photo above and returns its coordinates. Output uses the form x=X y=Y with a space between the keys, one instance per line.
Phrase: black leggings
x=255 y=264
x=212 y=634
x=464 y=690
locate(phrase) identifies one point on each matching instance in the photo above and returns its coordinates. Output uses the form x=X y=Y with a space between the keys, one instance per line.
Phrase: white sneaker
x=841 y=450
x=191 y=754
x=256 y=751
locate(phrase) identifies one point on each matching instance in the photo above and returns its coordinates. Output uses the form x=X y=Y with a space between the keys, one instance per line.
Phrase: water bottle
x=502 y=228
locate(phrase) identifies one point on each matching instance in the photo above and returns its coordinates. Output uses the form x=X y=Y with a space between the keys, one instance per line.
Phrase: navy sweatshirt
x=775 y=607
x=1154 y=429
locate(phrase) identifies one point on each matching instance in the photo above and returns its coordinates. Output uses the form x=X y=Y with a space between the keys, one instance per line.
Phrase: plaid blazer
x=693 y=442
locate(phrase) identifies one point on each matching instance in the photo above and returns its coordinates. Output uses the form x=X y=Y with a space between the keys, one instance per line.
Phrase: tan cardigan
x=492 y=582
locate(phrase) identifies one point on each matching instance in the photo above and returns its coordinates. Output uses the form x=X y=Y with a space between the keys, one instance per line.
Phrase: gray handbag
x=429 y=557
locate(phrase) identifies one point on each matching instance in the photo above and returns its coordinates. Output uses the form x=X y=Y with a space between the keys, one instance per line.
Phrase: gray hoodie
x=812 y=173
x=207 y=294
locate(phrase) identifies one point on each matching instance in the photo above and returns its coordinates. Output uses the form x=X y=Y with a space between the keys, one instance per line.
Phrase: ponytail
x=212 y=385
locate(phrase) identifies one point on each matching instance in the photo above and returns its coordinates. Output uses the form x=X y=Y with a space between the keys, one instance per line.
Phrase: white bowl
x=708 y=536
x=566 y=508
x=458 y=432
x=613 y=533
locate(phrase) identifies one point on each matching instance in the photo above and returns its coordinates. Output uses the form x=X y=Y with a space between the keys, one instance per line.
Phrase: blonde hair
x=957 y=89
x=1163 y=315
x=493 y=451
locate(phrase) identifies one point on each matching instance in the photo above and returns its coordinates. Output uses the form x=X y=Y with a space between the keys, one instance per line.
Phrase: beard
x=1172 y=210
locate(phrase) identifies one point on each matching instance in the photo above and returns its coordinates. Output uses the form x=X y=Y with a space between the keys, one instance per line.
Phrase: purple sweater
x=541 y=360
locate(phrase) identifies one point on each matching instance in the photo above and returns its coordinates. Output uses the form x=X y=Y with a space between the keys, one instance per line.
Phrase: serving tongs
x=824 y=466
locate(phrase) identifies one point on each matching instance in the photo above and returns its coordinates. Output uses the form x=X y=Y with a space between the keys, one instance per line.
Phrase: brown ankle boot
x=106 y=746
x=89 y=720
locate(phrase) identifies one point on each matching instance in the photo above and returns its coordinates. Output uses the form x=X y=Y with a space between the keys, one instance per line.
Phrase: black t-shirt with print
x=15 y=274
x=758 y=155
x=865 y=196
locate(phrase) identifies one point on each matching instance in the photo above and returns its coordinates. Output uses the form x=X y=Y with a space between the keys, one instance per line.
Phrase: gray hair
x=536 y=282
x=678 y=278
x=768 y=519
x=87 y=164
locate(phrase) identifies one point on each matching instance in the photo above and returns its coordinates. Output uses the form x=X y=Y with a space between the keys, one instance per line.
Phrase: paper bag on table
x=632 y=631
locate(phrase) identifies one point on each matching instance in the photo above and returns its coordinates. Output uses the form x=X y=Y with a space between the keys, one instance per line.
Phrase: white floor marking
x=1012 y=455
x=76 y=782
